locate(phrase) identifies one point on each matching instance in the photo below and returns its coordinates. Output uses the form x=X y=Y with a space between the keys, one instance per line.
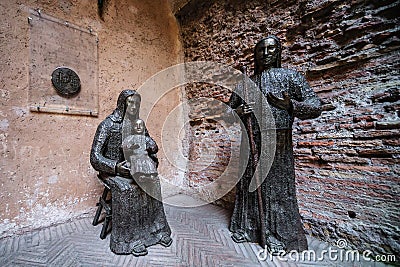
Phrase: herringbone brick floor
x=200 y=238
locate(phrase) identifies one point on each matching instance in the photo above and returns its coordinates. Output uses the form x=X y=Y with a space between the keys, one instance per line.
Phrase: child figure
x=136 y=154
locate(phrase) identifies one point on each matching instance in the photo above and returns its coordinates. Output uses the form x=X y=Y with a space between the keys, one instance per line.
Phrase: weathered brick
x=312 y=164
x=315 y=143
x=324 y=127
x=335 y=135
x=384 y=125
x=307 y=158
x=358 y=143
x=349 y=54
x=302 y=151
x=368 y=118
x=395 y=142
x=303 y=136
x=378 y=153
x=376 y=134
x=393 y=162
x=344 y=159
x=334 y=150
x=377 y=169
x=301 y=123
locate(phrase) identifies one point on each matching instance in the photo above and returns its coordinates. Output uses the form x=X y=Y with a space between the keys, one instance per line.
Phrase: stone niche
x=346 y=160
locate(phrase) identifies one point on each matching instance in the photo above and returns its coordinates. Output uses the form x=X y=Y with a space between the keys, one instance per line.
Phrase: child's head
x=138 y=127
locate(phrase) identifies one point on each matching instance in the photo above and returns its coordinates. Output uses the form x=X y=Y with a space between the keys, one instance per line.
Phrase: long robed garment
x=137 y=218
x=280 y=208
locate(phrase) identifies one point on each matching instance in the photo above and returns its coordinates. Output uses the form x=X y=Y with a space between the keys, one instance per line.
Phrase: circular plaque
x=66 y=81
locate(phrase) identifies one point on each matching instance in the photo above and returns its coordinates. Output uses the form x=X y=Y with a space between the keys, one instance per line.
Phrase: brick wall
x=346 y=160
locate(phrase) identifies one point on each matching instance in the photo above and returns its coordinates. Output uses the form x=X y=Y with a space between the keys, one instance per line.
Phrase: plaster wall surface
x=45 y=174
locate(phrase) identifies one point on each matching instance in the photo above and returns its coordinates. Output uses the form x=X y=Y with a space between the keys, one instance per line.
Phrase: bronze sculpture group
x=123 y=152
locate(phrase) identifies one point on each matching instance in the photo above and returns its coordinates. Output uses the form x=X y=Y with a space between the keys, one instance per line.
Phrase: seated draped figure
x=124 y=154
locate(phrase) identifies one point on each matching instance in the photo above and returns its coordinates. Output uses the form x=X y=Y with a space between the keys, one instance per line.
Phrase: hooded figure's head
x=119 y=112
x=267 y=54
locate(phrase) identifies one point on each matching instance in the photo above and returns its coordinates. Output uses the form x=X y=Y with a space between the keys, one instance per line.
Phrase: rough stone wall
x=347 y=160
x=45 y=172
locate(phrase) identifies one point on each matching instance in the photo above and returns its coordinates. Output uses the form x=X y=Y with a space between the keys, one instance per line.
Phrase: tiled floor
x=200 y=234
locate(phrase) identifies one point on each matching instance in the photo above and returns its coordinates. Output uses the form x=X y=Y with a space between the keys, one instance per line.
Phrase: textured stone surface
x=346 y=160
x=200 y=238
x=45 y=172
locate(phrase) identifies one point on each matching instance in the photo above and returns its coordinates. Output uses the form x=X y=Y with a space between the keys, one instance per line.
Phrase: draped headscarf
x=119 y=112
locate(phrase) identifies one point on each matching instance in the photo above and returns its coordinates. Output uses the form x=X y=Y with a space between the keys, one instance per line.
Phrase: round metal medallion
x=66 y=81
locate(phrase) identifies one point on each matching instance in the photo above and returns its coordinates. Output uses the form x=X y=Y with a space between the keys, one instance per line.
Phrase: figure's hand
x=135 y=146
x=245 y=109
x=123 y=168
x=284 y=103
x=127 y=142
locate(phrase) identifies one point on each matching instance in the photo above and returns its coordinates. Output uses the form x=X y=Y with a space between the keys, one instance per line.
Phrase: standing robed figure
x=288 y=95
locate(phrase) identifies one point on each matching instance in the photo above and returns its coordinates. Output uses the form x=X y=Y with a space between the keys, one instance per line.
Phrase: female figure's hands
x=122 y=168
